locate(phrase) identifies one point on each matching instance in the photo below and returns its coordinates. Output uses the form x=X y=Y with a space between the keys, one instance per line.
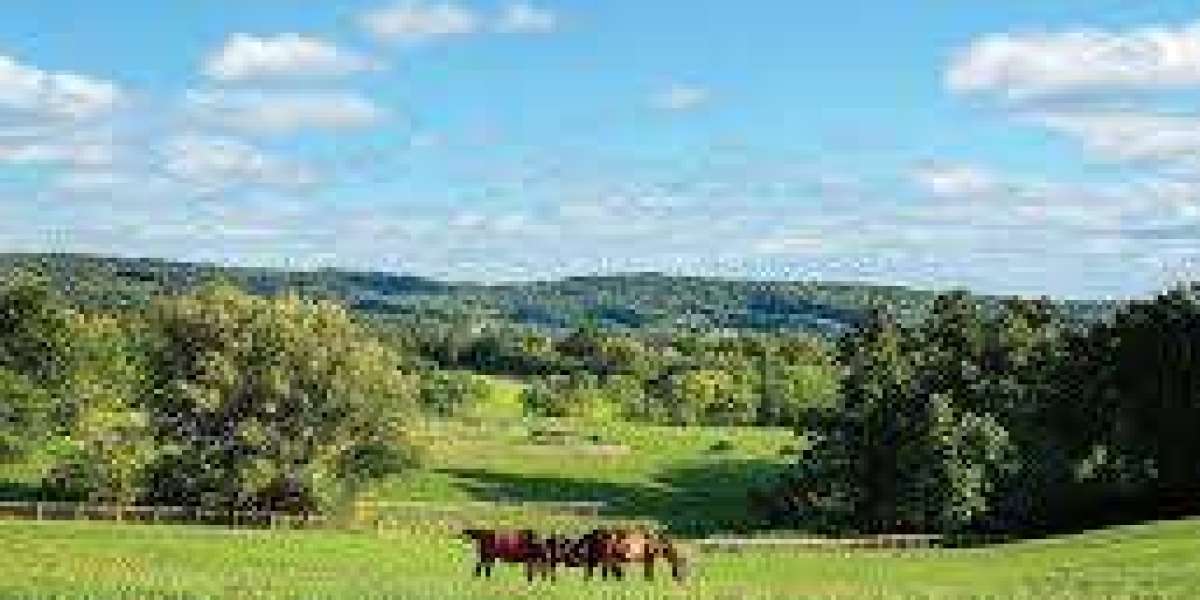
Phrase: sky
x=1048 y=148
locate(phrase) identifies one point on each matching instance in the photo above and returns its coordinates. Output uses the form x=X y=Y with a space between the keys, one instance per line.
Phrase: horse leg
x=648 y=566
x=478 y=568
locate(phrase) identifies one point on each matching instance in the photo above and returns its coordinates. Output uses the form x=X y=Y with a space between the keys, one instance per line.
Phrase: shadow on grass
x=694 y=500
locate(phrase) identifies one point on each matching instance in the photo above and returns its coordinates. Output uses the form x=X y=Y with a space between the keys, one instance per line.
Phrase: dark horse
x=520 y=546
x=612 y=548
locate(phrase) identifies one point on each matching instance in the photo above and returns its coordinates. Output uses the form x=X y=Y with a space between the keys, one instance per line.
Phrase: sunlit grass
x=109 y=560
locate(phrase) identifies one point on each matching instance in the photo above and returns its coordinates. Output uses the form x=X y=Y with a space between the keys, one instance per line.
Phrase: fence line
x=905 y=541
x=373 y=513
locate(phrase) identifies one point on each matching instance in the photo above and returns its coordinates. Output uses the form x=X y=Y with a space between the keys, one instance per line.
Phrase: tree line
x=677 y=377
x=1014 y=423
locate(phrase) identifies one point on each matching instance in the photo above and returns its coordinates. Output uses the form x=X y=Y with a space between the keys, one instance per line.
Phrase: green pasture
x=691 y=480
x=112 y=560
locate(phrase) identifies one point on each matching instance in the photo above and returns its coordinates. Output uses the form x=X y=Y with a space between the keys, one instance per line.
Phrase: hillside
x=642 y=301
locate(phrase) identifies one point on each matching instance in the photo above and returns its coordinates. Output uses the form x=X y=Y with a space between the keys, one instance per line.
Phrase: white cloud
x=283 y=112
x=285 y=56
x=954 y=180
x=1129 y=136
x=418 y=21
x=679 y=97
x=522 y=17
x=1024 y=66
x=30 y=91
x=789 y=244
x=74 y=152
x=90 y=181
x=215 y=163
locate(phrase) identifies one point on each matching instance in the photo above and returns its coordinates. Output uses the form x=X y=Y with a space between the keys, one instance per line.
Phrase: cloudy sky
x=1013 y=147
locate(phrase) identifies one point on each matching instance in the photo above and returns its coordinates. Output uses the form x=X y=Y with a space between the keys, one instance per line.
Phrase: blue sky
x=1033 y=148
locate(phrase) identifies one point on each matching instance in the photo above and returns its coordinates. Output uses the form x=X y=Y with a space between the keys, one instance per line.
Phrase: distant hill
x=630 y=301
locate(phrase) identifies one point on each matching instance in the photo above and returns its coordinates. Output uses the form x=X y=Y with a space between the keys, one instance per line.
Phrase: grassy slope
x=106 y=560
x=666 y=474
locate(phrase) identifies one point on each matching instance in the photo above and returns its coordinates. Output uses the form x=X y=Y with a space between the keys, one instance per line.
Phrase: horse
x=520 y=546
x=560 y=549
x=611 y=548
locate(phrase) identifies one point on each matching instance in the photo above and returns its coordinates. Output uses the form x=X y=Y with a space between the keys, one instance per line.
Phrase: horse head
x=477 y=535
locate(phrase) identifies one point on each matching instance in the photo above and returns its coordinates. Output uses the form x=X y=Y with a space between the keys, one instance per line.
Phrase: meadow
x=109 y=560
x=692 y=480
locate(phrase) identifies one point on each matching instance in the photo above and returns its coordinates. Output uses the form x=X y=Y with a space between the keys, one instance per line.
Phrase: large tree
x=900 y=450
x=270 y=402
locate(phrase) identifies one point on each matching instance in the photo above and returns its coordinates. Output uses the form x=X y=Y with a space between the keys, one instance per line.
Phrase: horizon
x=1006 y=150
x=584 y=276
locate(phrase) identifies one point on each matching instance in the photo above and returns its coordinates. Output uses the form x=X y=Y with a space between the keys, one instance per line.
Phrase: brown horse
x=611 y=548
x=520 y=546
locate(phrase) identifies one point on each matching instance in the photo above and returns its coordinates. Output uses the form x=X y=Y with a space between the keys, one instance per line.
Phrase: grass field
x=110 y=560
x=691 y=480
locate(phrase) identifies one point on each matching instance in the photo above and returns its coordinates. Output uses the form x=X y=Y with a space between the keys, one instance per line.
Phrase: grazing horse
x=558 y=549
x=521 y=546
x=610 y=549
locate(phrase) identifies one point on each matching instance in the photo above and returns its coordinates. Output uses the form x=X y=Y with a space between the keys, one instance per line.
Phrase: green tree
x=110 y=443
x=450 y=393
x=892 y=455
x=278 y=403
x=1155 y=384
x=25 y=409
x=34 y=330
x=35 y=349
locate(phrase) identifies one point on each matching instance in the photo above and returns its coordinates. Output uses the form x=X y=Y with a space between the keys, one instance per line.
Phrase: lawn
x=111 y=560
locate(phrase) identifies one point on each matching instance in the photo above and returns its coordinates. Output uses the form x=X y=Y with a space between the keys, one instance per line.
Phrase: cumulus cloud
x=32 y=92
x=282 y=112
x=286 y=56
x=1129 y=136
x=215 y=163
x=417 y=21
x=523 y=17
x=680 y=97
x=1023 y=66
